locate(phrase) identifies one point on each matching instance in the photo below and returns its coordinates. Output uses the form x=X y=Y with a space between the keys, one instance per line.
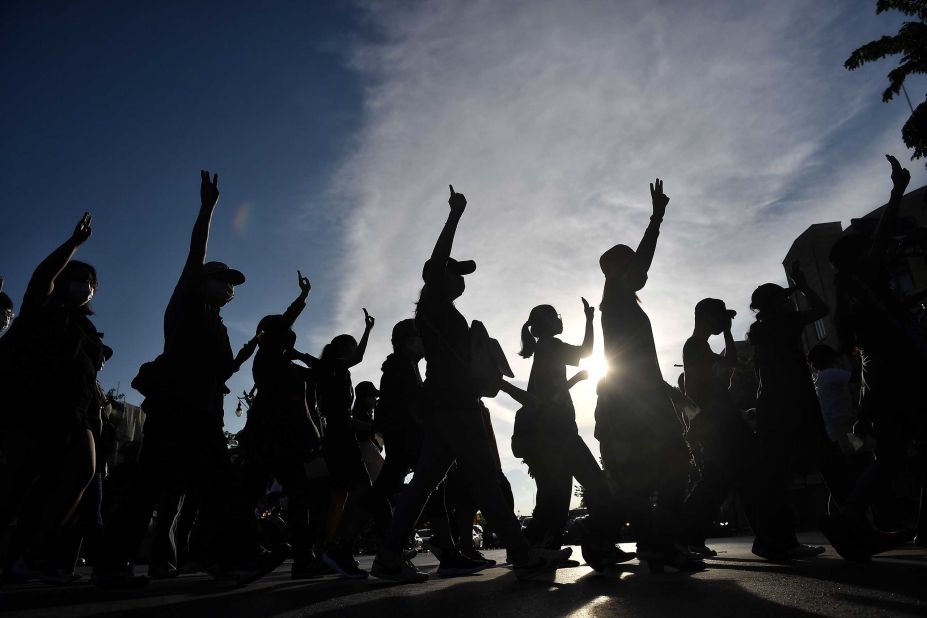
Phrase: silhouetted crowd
x=311 y=451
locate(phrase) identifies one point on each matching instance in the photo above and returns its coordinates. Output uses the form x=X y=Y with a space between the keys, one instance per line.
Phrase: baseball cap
x=221 y=270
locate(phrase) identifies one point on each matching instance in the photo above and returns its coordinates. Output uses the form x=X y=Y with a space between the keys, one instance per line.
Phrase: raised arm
x=643 y=257
x=209 y=197
x=42 y=282
x=819 y=308
x=730 y=348
x=900 y=179
x=445 y=242
x=362 y=344
x=589 y=337
x=296 y=307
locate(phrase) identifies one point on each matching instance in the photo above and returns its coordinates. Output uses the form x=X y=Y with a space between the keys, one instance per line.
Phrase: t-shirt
x=197 y=352
x=707 y=376
x=446 y=337
x=629 y=345
x=833 y=391
x=400 y=391
x=548 y=379
x=785 y=382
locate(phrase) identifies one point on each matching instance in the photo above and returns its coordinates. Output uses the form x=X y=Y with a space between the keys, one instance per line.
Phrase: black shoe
x=342 y=562
x=474 y=554
x=455 y=564
x=401 y=571
x=839 y=534
x=702 y=551
x=675 y=561
x=118 y=580
x=309 y=569
x=265 y=563
x=545 y=563
x=771 y=552
x=799 y=551
x=162 y=572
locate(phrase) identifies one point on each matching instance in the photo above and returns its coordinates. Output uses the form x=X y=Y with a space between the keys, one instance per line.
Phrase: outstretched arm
x=589 y=337
x=818 y=308
x=900 y=179
x=244 y=354
x=296 y=307
x=42 y=282
x=442 y=249
x=362 y=344
x=209 y=197
x=643 y=257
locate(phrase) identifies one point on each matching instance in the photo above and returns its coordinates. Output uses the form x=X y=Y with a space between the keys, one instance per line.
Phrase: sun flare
x=596 y=366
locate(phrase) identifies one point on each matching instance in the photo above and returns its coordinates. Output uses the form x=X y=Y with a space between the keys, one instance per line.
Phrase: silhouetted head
x=849 y=251
x=405 y=337
x=6 y=311
x=616 y=266
x=453 y=284
x=822 y=356
x=365 y=394
x=277 y=336
x=771 y=298
x=341 y=348
x=75 y=286
x=714 y=314
x=543 y=321
x=217 y=283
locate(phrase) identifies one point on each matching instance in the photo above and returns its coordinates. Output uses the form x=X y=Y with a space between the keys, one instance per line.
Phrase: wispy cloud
x=552 y=117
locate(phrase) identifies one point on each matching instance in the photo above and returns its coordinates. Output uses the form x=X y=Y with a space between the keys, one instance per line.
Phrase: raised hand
x=304 y=285
x=456 y=201
x=209 y=189
x=658 y=198
x=368 y=320
x=900 y=176
x=82 y=232
x=588 y=309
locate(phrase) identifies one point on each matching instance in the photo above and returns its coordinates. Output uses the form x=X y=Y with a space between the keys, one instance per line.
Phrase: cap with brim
x=457 y=267
x=768 y=292
x=713 y=306
x=220 y=270
x=366 y=389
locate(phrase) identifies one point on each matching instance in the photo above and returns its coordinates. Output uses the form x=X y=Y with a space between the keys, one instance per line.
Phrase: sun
x=596 y=366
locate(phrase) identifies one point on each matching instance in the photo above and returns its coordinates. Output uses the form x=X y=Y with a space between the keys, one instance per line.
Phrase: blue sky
x=336 y=127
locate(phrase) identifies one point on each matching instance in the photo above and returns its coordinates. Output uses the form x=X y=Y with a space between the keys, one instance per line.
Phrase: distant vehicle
x=425 y=535
x=478 y=536
x=416 y=542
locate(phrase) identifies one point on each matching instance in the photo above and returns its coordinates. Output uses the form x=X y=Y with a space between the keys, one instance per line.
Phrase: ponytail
x=528 y=342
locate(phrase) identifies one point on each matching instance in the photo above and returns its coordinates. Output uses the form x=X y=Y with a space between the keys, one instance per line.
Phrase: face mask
x=79 y=293
x=218 y=292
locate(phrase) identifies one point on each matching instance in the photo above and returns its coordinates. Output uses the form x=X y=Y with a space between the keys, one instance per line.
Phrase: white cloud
x=552 y=117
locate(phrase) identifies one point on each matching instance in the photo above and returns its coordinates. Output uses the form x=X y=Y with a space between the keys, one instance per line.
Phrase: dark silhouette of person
x=53 y=349
x=642 y=447
x=724 y=441
x=873 y=320
x=183 y=433
x=396 y=418
x=788 y=416
x=348 y=475
x=282 y=434
x=453 y=427
x=552 y=447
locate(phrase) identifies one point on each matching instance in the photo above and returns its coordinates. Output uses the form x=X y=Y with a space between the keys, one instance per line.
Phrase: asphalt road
x=736 y=584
